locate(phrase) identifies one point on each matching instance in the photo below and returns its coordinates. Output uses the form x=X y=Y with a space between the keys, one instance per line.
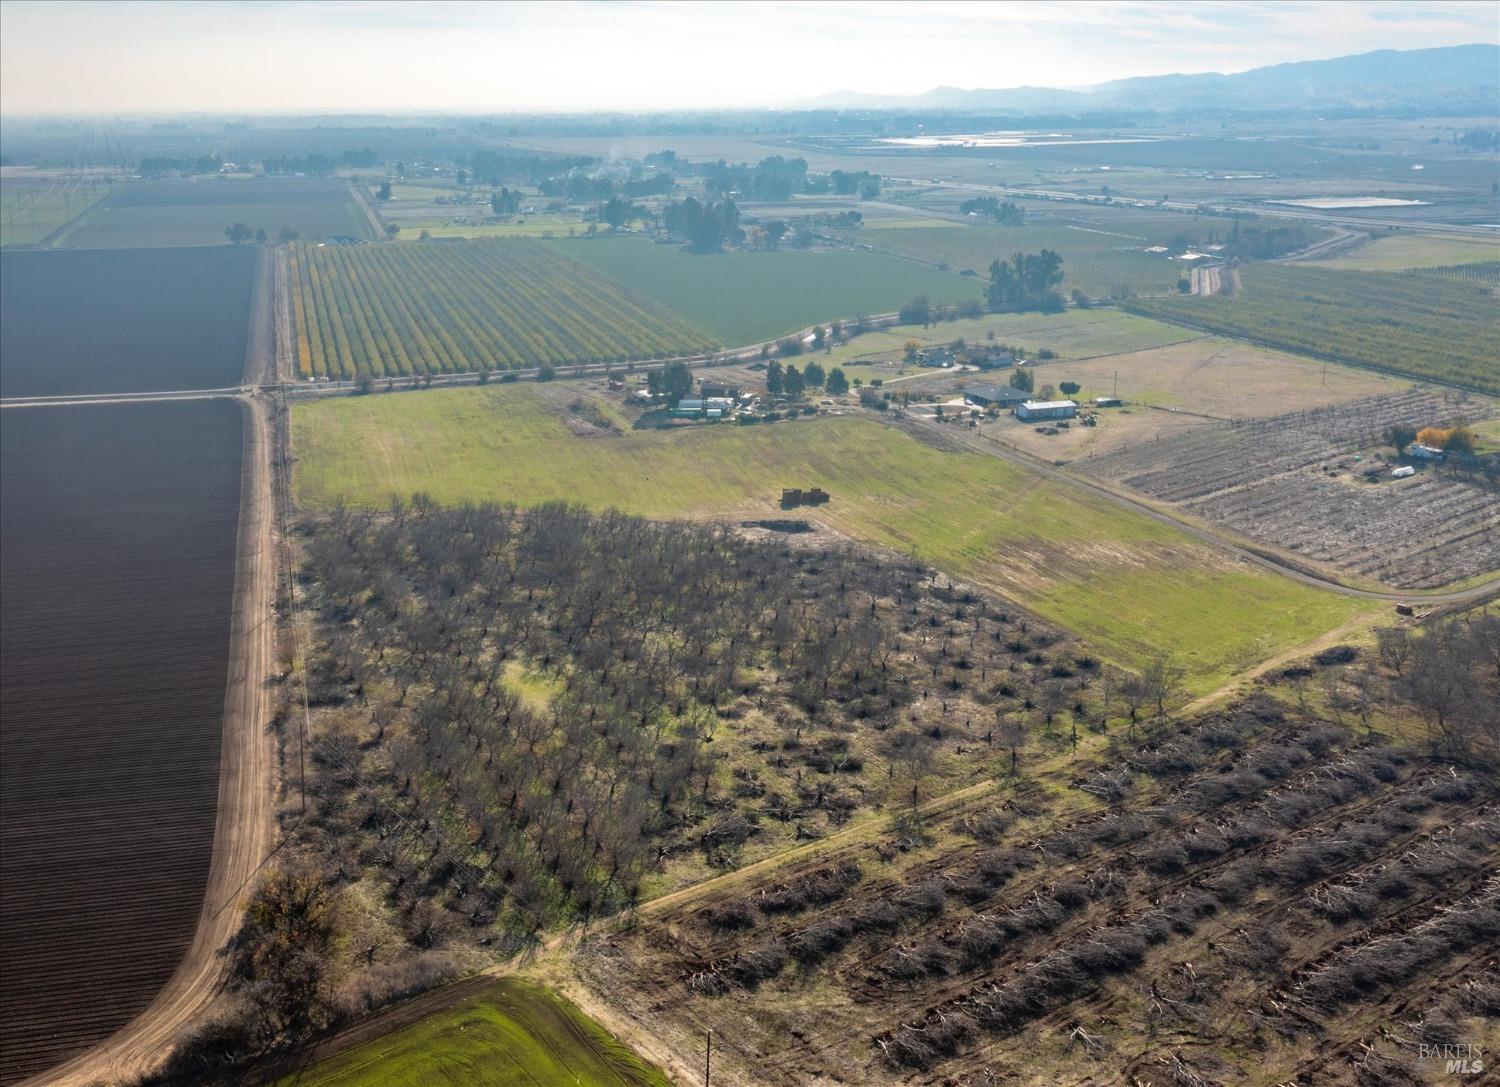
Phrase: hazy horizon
x=290 y=56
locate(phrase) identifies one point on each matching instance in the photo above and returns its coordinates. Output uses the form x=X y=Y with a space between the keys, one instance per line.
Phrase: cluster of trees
x=481 y=809
x=618 y=212
x=1027 y=282
x=792 y=383
x=706 y=227
x=203 y=164
x=505 y=201
x=673 y=381
x=496 y=167
x=239 y=234
x=1006 y=214
x=923 y=311
x=1454 y=439
x=582 y=185
x=1449 y=673
x=320 y=165
x=772 y=178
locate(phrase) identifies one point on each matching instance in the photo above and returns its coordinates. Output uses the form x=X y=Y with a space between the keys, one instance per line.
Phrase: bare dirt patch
x=1169 y=390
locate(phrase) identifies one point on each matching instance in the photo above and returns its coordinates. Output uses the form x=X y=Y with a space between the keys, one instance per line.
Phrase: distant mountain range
x=1449 y=77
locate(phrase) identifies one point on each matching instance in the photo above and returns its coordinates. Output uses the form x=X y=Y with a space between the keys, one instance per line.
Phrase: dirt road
x=243 y=834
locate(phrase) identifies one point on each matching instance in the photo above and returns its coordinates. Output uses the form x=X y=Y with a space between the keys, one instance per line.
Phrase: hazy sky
x=270 y=56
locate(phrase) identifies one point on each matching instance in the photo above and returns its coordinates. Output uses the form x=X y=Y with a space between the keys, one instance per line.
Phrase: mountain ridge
x=1382 y=77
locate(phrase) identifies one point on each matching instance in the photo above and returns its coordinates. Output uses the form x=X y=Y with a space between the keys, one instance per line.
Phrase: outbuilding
x=1402 y=472
x=1107 y=402
x=1047 y=409
x=1418 y=451
x=1003 y=395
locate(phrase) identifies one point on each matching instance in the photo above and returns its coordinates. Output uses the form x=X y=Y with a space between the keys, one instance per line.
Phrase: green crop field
x=511 y=1034
x=1096 y=259
x=1103 y=252
x=1071 y=334
x=1124 y=582
x=443 y=308
x=1486 y=272
x=1401 y=251
x=1419 y=326
x=33 y=207
x=196 y=212
x=745 y=297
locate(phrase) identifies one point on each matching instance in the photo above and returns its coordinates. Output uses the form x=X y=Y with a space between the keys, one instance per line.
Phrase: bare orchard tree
x=1162 y=677
x=1394 y=645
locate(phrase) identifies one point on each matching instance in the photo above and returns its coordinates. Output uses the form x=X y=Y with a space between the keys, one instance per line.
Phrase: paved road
x=123 y=398
x=960 y=434
x=1362 y=222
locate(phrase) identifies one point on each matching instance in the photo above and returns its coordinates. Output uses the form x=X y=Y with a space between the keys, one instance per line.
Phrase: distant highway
x=1362 y=222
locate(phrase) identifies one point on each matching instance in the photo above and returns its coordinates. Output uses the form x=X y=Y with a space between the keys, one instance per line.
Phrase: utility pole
x=708 y=1056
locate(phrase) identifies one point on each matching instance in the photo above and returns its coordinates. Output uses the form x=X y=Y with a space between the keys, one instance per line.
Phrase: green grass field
x=512 y=1034
x=1419 y=326
x=196 y=212
x=1401 y=251
x=1125 y=583
x=1095 y=259
x=1072 y=334
x=745 y=297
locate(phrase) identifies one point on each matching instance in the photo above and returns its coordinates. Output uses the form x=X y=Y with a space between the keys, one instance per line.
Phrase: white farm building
x=1047 y=409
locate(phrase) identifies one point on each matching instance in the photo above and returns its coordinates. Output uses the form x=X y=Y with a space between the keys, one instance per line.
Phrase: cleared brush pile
x=1292 y=481
x=1252 y=888
x=454 y=307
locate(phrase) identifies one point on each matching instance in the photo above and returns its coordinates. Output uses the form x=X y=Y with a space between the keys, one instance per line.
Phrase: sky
x=304 y=56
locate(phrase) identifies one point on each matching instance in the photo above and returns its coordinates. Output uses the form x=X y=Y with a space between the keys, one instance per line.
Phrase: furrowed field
x=1125 y=583
x=445 y=308
x=137 y=320
x=746 y=297
x=509 y=1032
x=1420 y=326
x=197 y=212
x=117 y=573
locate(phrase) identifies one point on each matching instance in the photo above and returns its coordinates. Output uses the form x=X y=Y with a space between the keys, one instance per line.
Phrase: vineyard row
x=460 y=307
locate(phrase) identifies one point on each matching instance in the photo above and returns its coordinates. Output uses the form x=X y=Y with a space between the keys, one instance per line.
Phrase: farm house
x=1003 y=395
x=1047 y=409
